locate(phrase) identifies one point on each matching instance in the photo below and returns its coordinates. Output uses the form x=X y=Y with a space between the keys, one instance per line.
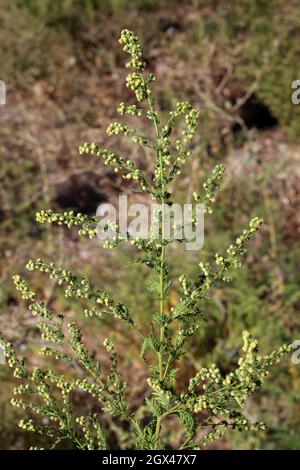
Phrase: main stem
x=159 y=156
x=161 y=272
x=162 y=268
x=162 y=329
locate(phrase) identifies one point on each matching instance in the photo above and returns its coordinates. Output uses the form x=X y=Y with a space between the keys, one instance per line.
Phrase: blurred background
x=64 y=73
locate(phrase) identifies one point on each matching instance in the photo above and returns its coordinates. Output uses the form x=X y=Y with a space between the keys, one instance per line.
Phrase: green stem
x=161 y=278
x=162 y=335
x=159 y=156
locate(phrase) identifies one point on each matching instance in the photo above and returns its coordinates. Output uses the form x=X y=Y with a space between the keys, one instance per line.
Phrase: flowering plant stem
x=162 y=263
x=212 y=402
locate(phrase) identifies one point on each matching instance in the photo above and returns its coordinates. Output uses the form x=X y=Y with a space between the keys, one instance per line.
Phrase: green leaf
x=146 y=439
x=154 y=407
x=150 y=342
x=189 y=420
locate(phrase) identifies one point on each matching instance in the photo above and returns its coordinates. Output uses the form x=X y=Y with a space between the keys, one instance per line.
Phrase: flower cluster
x=131 y=109
x=109 y=391
x=132 y=46
x=58 y=414
x=81 y=288
x=68 y=218
x=22 y=286
x=238 y=249
x=135 y=80
x=163 y=396
x=237 y=386
x=120 y=164
x=181 y=108
x=191 y=125
x=211 y=186
x=93 y=436
x=181 y=144
x=117 y=128
x=232 y=257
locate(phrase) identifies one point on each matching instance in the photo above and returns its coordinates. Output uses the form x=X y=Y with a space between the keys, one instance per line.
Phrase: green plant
x=211 y=402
